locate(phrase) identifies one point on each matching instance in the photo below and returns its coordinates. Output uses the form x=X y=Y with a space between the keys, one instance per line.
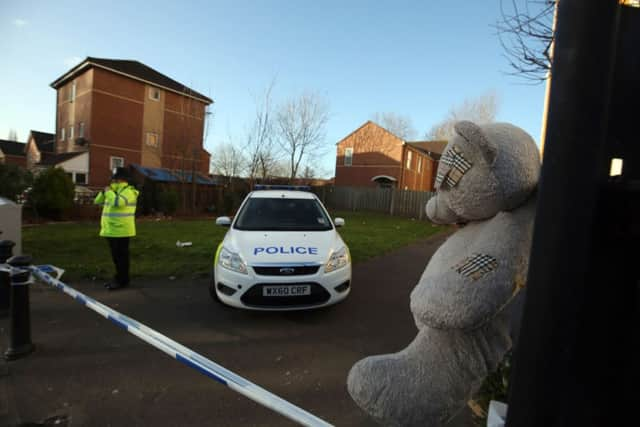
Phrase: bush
x=52 y=193
x=494 y=387
x=168 y=201
x=14 y=180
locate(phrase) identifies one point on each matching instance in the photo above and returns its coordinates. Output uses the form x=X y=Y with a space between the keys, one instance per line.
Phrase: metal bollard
x=20 y=329
x=6 y=250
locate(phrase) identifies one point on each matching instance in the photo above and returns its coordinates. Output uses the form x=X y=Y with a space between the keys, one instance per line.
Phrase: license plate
x=286 y=291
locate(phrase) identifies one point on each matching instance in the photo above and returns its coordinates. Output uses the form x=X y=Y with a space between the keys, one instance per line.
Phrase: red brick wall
x=183 y=132
x=15 y=160
x=375 y=152
x=419 y=180
x=116 y=123
x=117 y=84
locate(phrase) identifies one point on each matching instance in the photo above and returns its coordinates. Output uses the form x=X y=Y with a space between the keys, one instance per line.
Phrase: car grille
x=254 y=297
x=286 y=270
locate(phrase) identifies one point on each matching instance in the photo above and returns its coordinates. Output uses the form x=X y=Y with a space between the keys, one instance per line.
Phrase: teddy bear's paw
x=395 y=391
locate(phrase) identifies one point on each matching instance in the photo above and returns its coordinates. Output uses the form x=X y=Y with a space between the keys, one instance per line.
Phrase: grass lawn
x=84 y=255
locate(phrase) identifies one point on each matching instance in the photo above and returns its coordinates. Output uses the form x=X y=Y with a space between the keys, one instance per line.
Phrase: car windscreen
x=282 y=214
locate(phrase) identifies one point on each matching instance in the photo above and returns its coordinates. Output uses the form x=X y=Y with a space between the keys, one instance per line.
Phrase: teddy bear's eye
x=454 y=166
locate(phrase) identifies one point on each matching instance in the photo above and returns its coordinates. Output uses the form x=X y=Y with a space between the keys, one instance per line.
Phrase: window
x=419 y=164
x=348 y=156
x=72 y=92
x=80 y=178
x=154 y=94
x=81 y=130
x=409 y=154
x=152 y=139
x=70 y=132
x=282 y=215
x=116 y=162
x=61 y=134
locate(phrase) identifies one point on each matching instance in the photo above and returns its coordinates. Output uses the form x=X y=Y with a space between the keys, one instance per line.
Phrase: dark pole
x=6 y=250
x=20 y=328
x=577 y=326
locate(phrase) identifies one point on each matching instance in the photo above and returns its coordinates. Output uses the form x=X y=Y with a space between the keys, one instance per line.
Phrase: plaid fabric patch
x=476 y=266
x=455 y=166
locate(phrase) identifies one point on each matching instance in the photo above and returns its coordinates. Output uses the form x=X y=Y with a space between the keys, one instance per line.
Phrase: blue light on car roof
x=282 y=187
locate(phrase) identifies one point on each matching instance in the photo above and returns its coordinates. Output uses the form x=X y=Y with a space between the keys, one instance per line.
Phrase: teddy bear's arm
x=473 y=275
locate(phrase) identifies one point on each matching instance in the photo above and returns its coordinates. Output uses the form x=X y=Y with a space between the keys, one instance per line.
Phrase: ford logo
x=287 y=270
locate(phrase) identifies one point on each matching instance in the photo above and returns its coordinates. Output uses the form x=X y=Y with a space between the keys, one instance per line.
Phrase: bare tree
x=397 y=124
x=228 y=160
x=525 y=30
x=13 y=135
x=478 y=110
x=260 y=147
x=301 y=126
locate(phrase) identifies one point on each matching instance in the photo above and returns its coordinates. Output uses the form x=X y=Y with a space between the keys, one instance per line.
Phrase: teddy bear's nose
x=439 y=212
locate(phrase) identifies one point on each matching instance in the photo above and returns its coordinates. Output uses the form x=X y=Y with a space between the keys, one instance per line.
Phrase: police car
x=282 y=252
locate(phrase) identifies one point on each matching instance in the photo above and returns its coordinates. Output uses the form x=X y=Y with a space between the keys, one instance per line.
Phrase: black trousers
x=120 y=254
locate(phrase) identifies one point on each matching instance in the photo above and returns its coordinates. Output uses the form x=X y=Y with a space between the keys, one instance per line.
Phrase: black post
x=20 y=329
x=576 y=361
x=6 y=250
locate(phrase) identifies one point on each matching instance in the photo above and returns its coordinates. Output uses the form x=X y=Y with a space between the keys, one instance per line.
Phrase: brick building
x=121 y=112
x=39 y=146
x=371 y=156
x=13 y=153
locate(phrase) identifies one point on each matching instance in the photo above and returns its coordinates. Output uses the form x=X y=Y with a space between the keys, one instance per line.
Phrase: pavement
x=87 y=372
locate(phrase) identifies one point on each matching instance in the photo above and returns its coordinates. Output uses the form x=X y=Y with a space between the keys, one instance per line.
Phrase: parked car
x=282 y=252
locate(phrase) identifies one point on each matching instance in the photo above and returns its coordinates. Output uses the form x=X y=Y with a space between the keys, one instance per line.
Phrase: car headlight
x=232 y=261
x=337 y=260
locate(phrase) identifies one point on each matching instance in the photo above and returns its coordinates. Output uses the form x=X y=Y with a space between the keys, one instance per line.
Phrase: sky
x=413 y=58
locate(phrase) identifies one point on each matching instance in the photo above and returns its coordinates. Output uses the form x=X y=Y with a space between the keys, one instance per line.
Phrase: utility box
x=11 y=223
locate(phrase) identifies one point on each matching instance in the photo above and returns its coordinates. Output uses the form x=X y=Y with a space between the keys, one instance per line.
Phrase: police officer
x=117 y=223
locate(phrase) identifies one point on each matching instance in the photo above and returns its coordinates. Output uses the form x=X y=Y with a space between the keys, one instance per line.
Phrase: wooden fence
x=386 y=200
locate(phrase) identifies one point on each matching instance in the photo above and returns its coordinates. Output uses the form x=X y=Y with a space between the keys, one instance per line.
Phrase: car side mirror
x=223 y=221
x=338 y=222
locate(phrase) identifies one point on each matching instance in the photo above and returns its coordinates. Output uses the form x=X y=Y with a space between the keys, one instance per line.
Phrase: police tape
x=182 y=353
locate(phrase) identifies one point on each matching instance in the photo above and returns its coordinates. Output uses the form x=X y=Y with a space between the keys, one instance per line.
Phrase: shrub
x=14 y=180
x=494 y=387
x=52 y=193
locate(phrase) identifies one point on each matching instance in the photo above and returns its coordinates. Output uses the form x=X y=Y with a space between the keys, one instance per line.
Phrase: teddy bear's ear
x=472 y=133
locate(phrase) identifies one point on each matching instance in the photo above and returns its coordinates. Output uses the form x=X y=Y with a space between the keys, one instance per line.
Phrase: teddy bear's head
x=484 y=170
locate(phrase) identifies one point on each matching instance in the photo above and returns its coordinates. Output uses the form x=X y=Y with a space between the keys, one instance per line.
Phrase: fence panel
x=384 y=200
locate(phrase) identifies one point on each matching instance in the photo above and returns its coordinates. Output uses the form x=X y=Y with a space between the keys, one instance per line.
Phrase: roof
x=132 y=69
x=368 y=122
x=432 y=148
x=166 y=175
x=44 y=141
x=12 y=148
x=50 y=159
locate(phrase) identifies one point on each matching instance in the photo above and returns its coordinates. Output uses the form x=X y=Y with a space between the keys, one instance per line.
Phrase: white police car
x=282 y=252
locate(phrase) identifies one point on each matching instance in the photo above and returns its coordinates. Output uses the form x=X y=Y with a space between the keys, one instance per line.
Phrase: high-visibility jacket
x=118 y=210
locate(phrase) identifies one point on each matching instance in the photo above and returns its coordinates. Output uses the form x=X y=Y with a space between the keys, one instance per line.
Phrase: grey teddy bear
x=469 y=295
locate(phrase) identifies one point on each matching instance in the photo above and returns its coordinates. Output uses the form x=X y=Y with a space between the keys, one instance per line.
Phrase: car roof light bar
x=282 y=187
